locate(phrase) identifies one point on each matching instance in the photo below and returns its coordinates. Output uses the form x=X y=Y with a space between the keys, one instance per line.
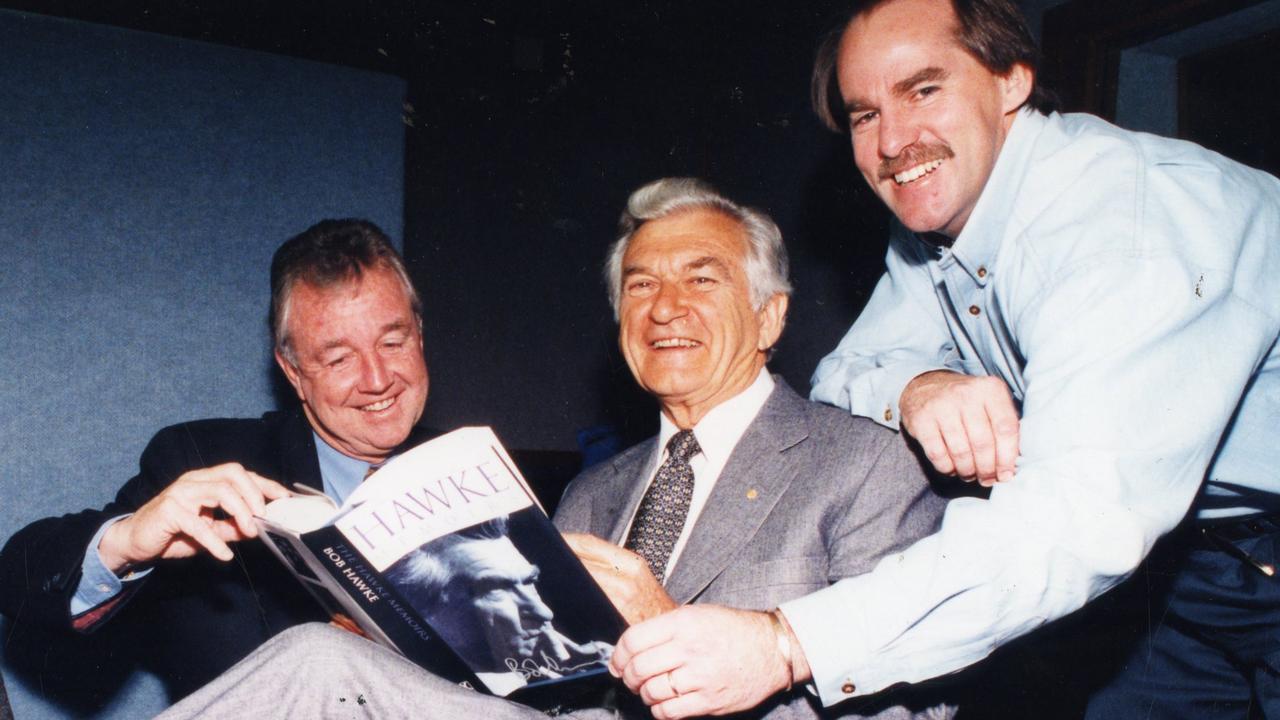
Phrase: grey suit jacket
x=810 y=495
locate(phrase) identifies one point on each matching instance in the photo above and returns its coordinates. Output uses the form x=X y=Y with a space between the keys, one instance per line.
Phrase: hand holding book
x=624 y=576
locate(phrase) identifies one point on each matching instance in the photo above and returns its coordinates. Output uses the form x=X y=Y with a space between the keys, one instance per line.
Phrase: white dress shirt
x=717 y=434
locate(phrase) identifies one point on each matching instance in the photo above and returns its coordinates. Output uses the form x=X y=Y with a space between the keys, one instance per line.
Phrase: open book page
x=303 y=512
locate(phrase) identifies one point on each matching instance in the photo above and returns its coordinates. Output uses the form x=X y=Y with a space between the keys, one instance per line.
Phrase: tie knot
x=682 y=446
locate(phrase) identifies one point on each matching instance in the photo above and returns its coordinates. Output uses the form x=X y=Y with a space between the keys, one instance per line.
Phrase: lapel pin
x=752 y=494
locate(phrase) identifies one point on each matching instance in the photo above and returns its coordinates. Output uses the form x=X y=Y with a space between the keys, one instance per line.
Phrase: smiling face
x=360 y=372
x=927 y=119
x=687 y=327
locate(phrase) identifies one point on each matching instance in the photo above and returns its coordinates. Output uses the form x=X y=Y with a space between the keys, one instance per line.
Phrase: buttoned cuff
x=827 y=626
x=97 y=583
x=892 y=383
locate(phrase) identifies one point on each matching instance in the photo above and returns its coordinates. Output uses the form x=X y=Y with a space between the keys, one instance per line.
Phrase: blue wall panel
x=144 y=183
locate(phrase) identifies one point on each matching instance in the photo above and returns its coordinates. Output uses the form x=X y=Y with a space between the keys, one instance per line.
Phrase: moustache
x=911 y=156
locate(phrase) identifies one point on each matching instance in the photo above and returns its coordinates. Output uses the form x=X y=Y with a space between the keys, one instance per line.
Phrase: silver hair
x=431 y=568
x=766 y=263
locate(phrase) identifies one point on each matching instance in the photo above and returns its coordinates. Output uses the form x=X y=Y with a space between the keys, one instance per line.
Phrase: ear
x=291 y=373
x=1016 y=86
x=772 y=318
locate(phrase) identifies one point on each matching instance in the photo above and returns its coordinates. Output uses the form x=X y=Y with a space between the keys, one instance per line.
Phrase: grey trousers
x=318 y=671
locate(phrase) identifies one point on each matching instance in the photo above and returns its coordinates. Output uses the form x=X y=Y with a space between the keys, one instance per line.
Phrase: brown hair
x=993 y=31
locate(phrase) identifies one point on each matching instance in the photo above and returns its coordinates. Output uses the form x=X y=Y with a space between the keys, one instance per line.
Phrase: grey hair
x=766 y=264
x=431 y=568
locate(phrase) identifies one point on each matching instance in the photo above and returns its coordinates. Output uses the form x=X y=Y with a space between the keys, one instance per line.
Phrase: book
x=446 y=556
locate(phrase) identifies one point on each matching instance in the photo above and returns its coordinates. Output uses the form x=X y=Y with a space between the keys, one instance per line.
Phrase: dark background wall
x=530 y=132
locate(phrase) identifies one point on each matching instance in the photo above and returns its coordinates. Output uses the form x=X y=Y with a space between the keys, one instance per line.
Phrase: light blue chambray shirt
x=1126 y=287
x=339 y=475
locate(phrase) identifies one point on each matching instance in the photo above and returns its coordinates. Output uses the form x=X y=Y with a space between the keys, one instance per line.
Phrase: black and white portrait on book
x=481 y=593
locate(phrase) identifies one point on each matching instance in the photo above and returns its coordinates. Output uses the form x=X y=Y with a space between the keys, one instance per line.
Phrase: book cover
x=445 y=555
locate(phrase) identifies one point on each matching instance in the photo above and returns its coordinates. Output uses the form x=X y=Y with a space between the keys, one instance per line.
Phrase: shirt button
x=103 y=587
x=847 y=688
x=982 y=272
x=888 y=414
x=973 y=310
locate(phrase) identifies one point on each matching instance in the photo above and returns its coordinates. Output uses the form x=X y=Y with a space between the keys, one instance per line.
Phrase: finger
x=1005 y=424
x=271 y=489
x=226 y=530
x=982 y=443
x=256 y=489
x=658 y=689
x=622 y=652
x=238 y=478
x=226 y=497
x=956 y=439
x=585 y=549
x=935 y=449
x=195 y=528
x=606 y=555
x=585 y=542
x=655 y=661
x=638 y=639
x=692 y=704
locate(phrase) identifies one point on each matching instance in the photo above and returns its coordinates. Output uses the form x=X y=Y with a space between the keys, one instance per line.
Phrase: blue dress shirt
x=1126 y=288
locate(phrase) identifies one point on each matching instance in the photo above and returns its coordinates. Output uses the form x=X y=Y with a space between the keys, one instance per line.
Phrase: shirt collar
x=340 y=473
x=720 y=429
x=976 y=248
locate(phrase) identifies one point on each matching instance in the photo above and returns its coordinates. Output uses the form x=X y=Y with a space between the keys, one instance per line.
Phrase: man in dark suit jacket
x=151 y=578
x=748 y=497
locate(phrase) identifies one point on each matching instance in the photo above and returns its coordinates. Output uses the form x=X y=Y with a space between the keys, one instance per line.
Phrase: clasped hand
x=702 y=660
x=966 y=425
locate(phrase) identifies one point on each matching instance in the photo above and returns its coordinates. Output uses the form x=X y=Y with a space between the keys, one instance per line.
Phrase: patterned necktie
x=665 y=505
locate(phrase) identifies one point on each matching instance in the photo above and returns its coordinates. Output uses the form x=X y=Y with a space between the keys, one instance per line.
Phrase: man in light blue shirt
x=1084 y=313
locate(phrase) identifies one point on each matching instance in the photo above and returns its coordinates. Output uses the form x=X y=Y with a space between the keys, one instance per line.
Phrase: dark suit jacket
x=810 y=495
x=190 y=619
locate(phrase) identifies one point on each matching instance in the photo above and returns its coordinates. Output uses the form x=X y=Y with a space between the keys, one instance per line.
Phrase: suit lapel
x=616 y=498
x=298 y=461
x=756 y=476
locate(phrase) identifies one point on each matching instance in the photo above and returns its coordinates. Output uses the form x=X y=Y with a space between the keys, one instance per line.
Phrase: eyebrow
x=929 y=74
x=695 y=264
x=394 y=325
x=530 y=576
x=389 y=327
x=904 y=86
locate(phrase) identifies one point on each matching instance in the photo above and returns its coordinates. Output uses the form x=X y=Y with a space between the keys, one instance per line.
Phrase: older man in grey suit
x=749 y=495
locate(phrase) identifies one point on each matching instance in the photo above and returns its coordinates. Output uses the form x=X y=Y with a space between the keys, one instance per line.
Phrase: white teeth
x=674 y=342
x=916 y=172
x=380 y=405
